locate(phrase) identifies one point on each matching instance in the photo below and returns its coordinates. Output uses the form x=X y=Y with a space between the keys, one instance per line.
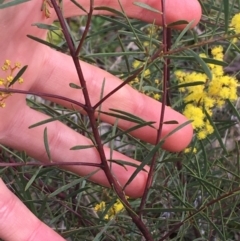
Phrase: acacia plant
x=194 y=71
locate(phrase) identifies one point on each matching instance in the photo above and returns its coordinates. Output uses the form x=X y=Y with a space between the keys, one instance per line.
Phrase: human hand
x=50 y=72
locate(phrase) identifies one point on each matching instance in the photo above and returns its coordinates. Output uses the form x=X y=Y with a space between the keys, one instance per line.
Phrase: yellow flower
x=208 y=102
x=100 y=207
x=18 y=65
x=7 y=62
x=2 y=81
x=9 y=78
x=235 y=22
x=209 y=128
x=234 y=40
x=136 y=64
x=202 y=55
x=217 y=50
x=146 y=43
x=201 y=135
x=195 y=114
x=147 y=72
x=20 y=80
x=156 y=96
x=5 y=67
x=115 y=209
x=2 y=104
x=190 y=149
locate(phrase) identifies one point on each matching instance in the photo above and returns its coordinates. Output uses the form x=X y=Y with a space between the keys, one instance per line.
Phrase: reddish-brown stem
x=130 y=78
x=40 y=94
x=90 y=111
x=84 y=35
x=164 y=102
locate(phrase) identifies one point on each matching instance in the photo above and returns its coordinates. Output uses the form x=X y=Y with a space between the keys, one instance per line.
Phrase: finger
x=60 y=71
x=189 y=10
x=17 y=223
x=60 y=140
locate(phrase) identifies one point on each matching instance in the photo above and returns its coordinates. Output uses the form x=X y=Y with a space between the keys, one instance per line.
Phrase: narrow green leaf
x=226 y=14
x=81 y=147
x=103 y=230
x=12 y=3
x=206 y=60
x=130 y=130
x=221 y=237
x=216 y=132
x=150 y=155
x=205 y=159
x=135 y=173
x=100 y=106
x=207 y=184
x=180 y=22
x=171 y=122
x=74 y=86
x=123 y=163
x=235 y=111
x=64 y=188
x=176 y=196
x=60 y=117
x=46 y=26
x=148 y=158
x=45 y=138
x=182 y=34
x=172 y=159
x=72 y=184
x=187 y=85
x=138 y=42
x=79 y=6
x=18 y=75
x=44 y=42
x=124 y=116
x=129 y=115
x=146 y=6
x=11 y=152
x=131 y=53
x=175 y=209
x=205 y=68
x=151 y=88
x=126 y=59
x=111 y=10
x=32 y=179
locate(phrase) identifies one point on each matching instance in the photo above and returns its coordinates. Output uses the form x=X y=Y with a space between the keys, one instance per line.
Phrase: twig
x=90 y=112
x=164 y=102
x=26 y=92
x=84 y=35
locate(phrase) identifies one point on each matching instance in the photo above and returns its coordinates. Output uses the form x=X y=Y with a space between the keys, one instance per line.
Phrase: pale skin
x=50 y=72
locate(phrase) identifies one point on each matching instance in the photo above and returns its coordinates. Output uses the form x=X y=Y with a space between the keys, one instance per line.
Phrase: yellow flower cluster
x=209 y=94
x=190 y=150
x=146 y=74
x=235 y=23
x=151 y=32
x=5 y=81
x=115 y=209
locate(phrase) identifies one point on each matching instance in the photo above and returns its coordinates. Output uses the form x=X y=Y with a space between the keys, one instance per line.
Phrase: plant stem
x=164 y=102
x=90 y=112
